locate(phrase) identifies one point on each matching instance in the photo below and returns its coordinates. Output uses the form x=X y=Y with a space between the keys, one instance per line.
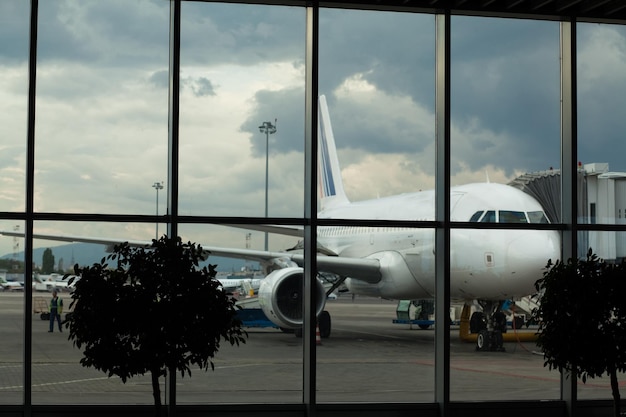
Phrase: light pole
x=157 y=186
x=268 y=128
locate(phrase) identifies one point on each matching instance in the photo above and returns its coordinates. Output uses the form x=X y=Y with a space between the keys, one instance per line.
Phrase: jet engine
x=281 y=297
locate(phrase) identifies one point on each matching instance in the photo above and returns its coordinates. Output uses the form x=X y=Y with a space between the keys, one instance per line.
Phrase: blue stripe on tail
x=327 y=180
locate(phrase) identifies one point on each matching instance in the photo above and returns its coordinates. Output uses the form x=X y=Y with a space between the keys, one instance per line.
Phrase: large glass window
x=101 y=106
x=268 y=367
x=101 y=150
x=56 y=360
x=377 y=79
x=12 y=289
x=14 y=20
x=101 y=143
x=601 y=63
x=601 y=88
x=14 y=24
x=504 y=126
x=242 y=110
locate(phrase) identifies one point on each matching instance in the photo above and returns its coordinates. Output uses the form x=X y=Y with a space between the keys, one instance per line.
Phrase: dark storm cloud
x=374 y=44
x=214 y=34
x=160 y=79
x=287 y=106
x=14 y=26
x=202 y=87
x=505 y=73
x=108 y=32
x=394 y=51
x=601 y=95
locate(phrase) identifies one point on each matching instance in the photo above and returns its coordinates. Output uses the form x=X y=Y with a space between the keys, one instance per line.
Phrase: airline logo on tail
x=330 y=182
x=327 y=185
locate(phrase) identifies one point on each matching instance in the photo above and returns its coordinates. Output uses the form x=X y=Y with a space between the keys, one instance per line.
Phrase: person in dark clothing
x=56 y=308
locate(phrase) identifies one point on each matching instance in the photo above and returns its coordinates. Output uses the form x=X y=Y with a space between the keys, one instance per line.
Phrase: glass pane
x=101 y=105
x=377 y=78
x=493 y=273
x=12 y=314
x=14 y=26
x=505 y=111
x=242 y=110
x=56 y=361
x=14 y=34
x=505 y=105
x=601 y=88
x=268 y=367
x=607 y=245
x=382 y=328
x=377 y=75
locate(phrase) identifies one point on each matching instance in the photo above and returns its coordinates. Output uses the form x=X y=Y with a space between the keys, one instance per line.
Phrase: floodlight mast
x=269 y=129
x=157 y=186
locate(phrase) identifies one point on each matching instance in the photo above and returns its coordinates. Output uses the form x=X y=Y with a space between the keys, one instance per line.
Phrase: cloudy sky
x=102 y=93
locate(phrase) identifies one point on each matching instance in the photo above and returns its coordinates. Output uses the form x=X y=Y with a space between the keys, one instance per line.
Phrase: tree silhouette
x=47 y=261
x=151 y=310
x=582 y=319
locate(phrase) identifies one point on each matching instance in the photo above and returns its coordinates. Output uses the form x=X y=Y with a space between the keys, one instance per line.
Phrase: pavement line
x=46 y=384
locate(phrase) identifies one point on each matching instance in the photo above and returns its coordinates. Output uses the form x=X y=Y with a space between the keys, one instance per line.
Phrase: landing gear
x=489 y=324
x=324 y=324
x=489 y=341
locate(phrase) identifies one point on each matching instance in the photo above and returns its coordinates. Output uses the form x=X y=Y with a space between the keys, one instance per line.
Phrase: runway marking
x=510 y=374
x=249 y=365
x=370 y=333
x=46 y=384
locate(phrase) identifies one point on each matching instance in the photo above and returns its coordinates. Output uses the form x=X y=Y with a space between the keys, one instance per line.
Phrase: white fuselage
x=490 y=264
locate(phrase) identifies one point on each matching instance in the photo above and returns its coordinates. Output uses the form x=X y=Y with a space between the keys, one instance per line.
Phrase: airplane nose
x=528 y=254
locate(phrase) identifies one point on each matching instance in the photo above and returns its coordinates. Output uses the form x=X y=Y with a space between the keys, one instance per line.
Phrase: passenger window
x=537 y=217
x=490 y=217
x=512 y=217
x=476 y=216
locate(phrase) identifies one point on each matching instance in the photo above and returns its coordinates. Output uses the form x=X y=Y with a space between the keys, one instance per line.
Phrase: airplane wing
x=279 y=230
x=364 y=269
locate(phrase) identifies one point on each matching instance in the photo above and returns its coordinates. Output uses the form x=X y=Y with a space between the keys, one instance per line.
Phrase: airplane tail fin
x=329 y=180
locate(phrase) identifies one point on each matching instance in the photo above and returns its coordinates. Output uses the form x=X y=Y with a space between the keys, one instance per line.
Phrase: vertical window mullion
x=569 y=145
x=310 y=206
x=173 y=155
x=442 y=211
x=29 y=209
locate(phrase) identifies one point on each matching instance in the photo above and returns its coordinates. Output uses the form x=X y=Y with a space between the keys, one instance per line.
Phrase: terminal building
x=602 y=200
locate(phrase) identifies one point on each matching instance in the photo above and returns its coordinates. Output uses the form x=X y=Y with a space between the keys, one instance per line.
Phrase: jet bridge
x=601 y=200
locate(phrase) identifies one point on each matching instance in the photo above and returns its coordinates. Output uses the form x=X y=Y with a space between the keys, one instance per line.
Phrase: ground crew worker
x=56 y=308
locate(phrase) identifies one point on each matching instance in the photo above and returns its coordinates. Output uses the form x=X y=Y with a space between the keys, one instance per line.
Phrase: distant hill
x=89 y=253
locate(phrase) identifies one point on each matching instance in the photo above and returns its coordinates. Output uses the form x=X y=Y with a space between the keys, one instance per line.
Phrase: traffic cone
x=318 y=337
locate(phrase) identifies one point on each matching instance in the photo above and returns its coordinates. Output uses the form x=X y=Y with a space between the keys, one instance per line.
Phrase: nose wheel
x=489 y=326
x=489 y=341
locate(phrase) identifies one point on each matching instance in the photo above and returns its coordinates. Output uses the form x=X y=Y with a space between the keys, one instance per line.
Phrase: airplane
x=248 y=286
x=50 y=282
x=486 y=265
x=10 y=285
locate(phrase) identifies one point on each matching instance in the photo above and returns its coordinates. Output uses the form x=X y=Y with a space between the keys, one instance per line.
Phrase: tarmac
x=367 y=358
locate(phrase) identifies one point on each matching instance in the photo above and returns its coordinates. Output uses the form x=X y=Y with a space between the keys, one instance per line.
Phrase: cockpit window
x=512 y=217
x=476 y=216
x=508 y=216
x=537 y=217
x=490 y=217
